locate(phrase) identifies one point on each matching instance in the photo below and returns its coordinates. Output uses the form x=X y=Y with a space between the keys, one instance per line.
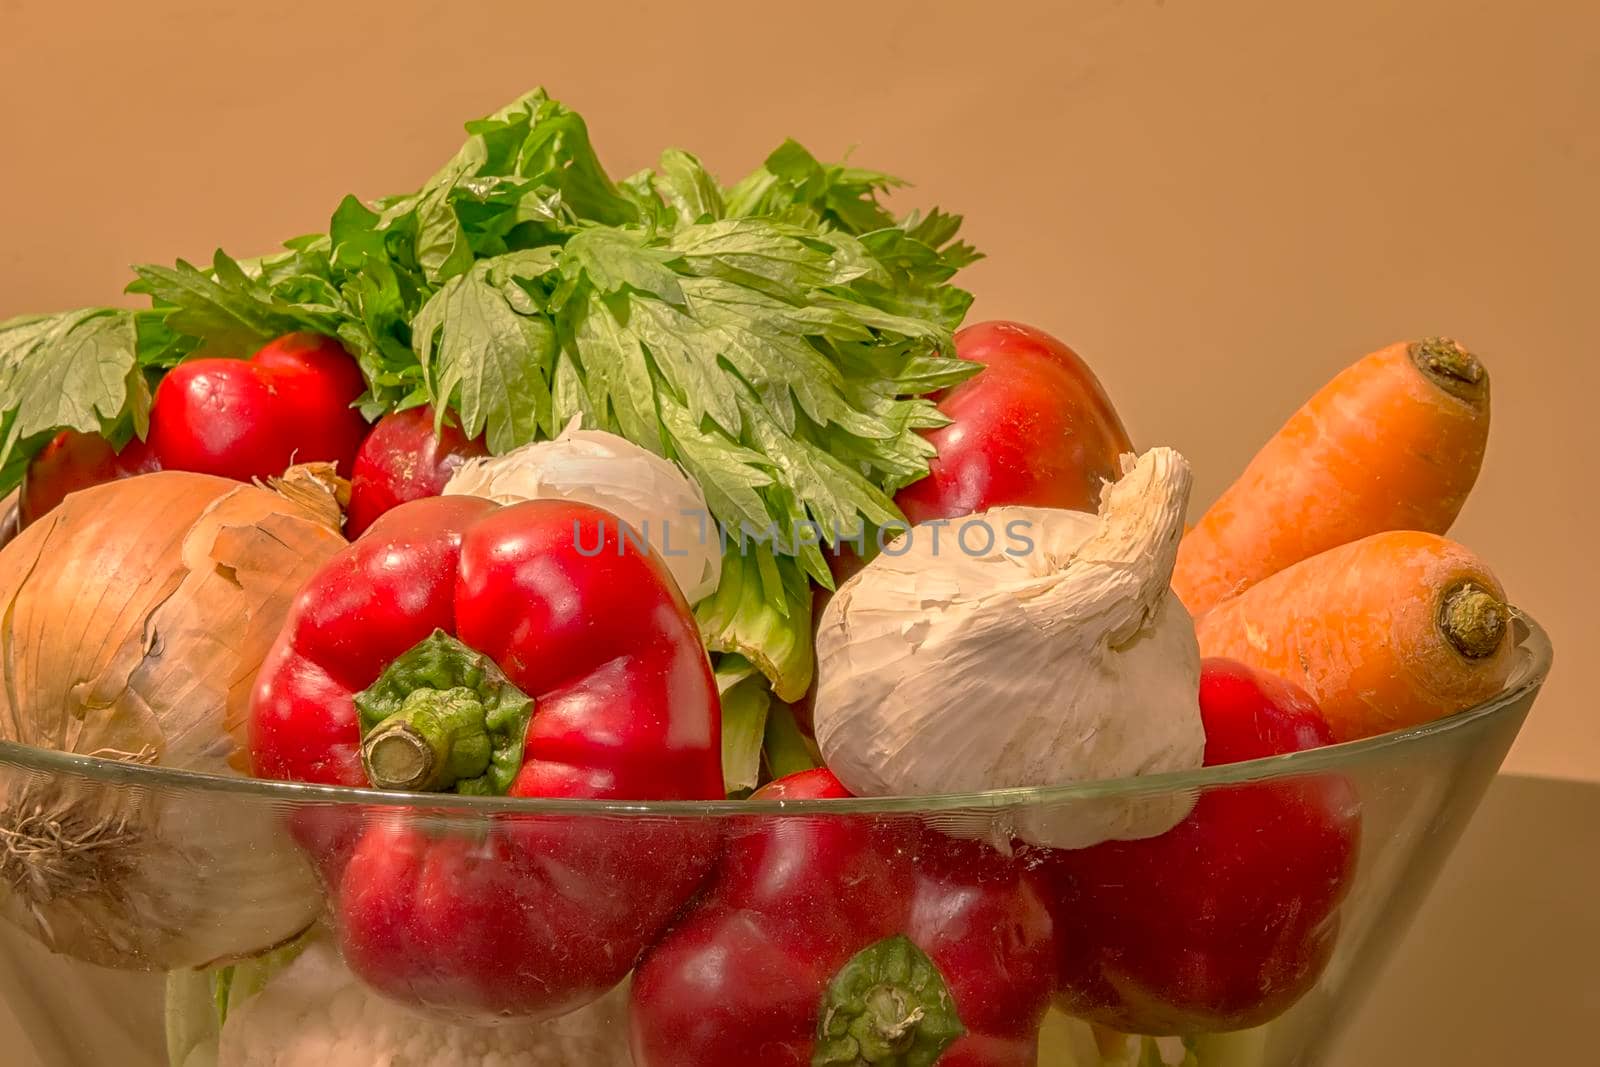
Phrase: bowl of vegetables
x=553 y=619
x=828 y=928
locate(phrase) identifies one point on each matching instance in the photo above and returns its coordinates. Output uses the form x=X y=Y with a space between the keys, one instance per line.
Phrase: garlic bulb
x=136 y=615
x=315 y=1013
x=665 y=507
x=1022 y=647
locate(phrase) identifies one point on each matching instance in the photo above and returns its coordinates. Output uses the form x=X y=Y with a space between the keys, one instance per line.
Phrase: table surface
x=1501 y=967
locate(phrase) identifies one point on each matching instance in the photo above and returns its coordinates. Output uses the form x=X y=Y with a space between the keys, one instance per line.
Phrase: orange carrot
x=1393 y=442
x=1390 y=631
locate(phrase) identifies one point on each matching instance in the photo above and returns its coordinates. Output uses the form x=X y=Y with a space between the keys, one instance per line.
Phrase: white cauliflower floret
x=315 y=1013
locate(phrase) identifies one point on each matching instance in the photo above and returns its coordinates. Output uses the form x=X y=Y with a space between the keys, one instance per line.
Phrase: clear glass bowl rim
x=1527 y=676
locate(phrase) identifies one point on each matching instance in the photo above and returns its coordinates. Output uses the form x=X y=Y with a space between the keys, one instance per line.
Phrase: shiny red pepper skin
x=289 y=403
x=73 y=461
x=1224 y=922
x=1033 y=428
x=403 y=458
x=538 y=915
x=741 y=978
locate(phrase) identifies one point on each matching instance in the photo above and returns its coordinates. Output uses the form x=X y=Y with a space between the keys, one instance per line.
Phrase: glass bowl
x=1241 y=939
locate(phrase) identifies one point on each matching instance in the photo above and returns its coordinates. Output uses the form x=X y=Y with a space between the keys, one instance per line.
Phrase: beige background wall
x=1218 y=202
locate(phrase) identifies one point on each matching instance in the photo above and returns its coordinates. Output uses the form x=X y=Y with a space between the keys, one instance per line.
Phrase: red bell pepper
x=841 y=939
x=289 y=403
x=73 y=461
x=530 y=651
x=404 y=458
x=1224 y=922
x=1033 y=428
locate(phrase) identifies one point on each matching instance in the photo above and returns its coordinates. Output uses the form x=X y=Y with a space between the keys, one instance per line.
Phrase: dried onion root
x=134 y=618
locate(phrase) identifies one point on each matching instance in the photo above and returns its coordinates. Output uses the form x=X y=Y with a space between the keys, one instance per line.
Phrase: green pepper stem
x=888 y=1006
x=892 y=1017
x=436 y=738
x=443 y=716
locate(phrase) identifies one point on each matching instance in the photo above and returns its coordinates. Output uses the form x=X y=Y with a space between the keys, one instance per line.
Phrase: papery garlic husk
x=665 y=507
x=316 y=1013
x=971 y=661
x=136 y=615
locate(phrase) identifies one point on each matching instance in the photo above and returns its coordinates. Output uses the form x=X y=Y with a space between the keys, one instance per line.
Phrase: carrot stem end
x=1473 y=620
x=1451 y=367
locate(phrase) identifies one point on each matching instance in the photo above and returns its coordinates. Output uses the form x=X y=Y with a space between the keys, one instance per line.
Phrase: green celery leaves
x=77 y=370
x=779 y=338
x=483 y=341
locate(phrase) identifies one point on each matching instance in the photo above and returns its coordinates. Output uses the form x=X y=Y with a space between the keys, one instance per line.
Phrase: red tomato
x=245 y=419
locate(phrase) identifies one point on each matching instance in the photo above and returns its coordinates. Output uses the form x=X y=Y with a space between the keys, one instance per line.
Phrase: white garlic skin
x=662 y=504
x=943 y=672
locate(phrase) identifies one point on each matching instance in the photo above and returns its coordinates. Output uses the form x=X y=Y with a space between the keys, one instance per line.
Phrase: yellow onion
x=135 y=616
